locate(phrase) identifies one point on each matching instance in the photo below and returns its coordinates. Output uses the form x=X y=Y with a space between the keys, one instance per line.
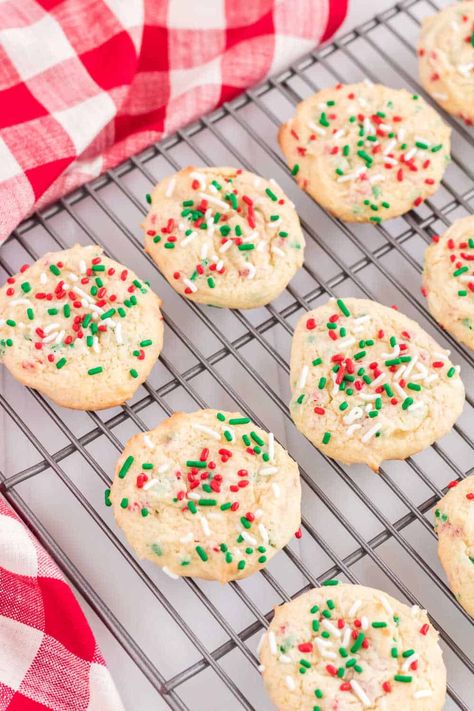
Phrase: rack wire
x=168 y=641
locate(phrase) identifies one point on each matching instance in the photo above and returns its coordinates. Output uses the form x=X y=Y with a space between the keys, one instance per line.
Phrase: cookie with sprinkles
x=224 y=236
x=448 y=280
x=80 y=328
x=366 y=152
x=206 y=494
x=368 y=384
x=454 y=524
x=350 y=647
x=446 y=58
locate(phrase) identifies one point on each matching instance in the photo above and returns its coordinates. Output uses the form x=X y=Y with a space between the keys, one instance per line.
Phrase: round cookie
x=446 y=59
x=206 y=494
x=454 y=524
x=223 y=236
x=79 y=328
x=350 y=648
x=448 y=280
x=368 y=384
x=366 y=152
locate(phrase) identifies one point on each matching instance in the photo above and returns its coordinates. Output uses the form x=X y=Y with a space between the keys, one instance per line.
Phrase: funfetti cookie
x=80 y=328
x=448 y=280
x=223 y=236
x=351 y=648
x=369 y=384
x=366 y=152
x=206 y=494
x=454 y=524
x=446 y=58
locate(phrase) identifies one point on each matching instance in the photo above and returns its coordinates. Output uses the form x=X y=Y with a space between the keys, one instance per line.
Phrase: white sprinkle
x=43 y=278
x=401 y=135
x=276 y=491
x=96 y=309
x=227 y=245
x=148 y=442
x=15 y=302
x=362 y=319
x=290 y=682
x=378 y=178
x=247 y=537
x=82 y=266
x=263 y=532
x=422 y=372
x=327 y=653
x=303 y=376
x=207 y=430
x=410 y=365
x=317 y=129
x=368 y=397
x=353 y=428
x=50 y=338
x=251 y=270
x=438 y=95
x=190 y=285
x=219 y=265
x=256 y=183
x=51 y=327
x=277 y=250
x=168 y=572
x=284 y=659
x=354 y=608
x=463 y=277
x=339 y=133
x=268 y=471
x=253 y=235
x=220 y=203
x=408 y=662
x=390 y=161
x=323 y=643
x=272 y=642
x=411 y=154
x=414 y=610
x=170 y=188
x=60 y=337
x=163 y=468
x=418 y=405
x=81 y=292
x=205 y=525
x=430 y=378
x=187 y=538
x=205 y=250
x=331 y=628
x=348 y=342
x=394 y=354
x=370 y=433
x=118 y=333
x=386 y=605
x=364 y=623
x=422 y=694
x=442 y=356
x=258 y=513
x=188 y=239
x=200 y=178
x=378 y=380
x=465 y=69
x=354 y=414
x=95 y=344
x=359 y=692
x=271 y=446
x=385 y=127
x=194 y=495
x=346 y=638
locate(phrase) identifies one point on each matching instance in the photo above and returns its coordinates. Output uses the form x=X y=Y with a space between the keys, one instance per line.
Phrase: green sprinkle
x=124 y=503
x=408 y=653
x=26 y=287
x=451 y=372
x=315 y=625
x=414 y=386
x=271 y=194
x=437 y=148
x=323 y=120
x=360 y=355
x=246 y=440
x=256 y=438
x=241 y=421
x=300 y=399
x=196 y=463
x=228 y=435
x=144 y=512
x=94 y=371
x=394 y=652
x=402 y=677
x=211 y=283
x=192 y=507
x=346 y=150
x=148 y=198
x=322 y=383
x=133 y=373
x=407 y=402
x=422 y=145
x=169 y=245
x=295 y=169
x=144 y=344
x=388 y=390
x=245 y=522
x=107 y=314
x=98 y=267
x=246 y=247
x=207 y=502
x=53 y=312
x=201 y=553
x=241 y=564
x=326 y=614
x=314 y=609
x=326 y=438
x=61 y=362
x=343 y=406
x=220 y=417
x=460 y=271
x=376 y=625
x=125 y=467
x=262 y=559
x=330 y=582
x=53 y=268
x=317 y=361
x=358 y=643
x=30 y=313
x=343 y=652
x=107 y=497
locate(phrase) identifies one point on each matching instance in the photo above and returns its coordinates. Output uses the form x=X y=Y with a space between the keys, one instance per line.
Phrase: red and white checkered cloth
x=84 y=84
x=49 y=658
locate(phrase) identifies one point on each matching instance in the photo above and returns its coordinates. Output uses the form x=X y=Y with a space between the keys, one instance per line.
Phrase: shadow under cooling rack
x=165 y=640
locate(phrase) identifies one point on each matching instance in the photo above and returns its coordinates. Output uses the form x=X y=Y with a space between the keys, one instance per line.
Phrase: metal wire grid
x=218 y=364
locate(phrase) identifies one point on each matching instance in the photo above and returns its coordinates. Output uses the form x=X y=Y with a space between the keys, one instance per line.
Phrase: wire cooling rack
x=167 y=642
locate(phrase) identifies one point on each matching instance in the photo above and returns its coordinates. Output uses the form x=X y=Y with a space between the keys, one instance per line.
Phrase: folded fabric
x=49 y=658
x=84 y=84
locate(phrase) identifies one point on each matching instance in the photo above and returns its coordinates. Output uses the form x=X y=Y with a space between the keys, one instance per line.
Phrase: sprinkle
x=403 y=678
x=360 y=693
x=126 y=466
x=61 y=362
x=326 y=437
x=95 y=371
x=201 y=553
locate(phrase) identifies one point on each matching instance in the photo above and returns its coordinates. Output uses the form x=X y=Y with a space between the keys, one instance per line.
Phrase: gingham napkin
x=84 y=84
x=49 y=658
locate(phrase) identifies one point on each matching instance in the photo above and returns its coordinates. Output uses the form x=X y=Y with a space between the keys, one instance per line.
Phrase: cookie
x=448 y=280
x=368 y=384
x=79 y=328
x=366 y=152
x=454 y=524
x=206 y=494
x=349 y=647
x=224 y=237
x=446 y=59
